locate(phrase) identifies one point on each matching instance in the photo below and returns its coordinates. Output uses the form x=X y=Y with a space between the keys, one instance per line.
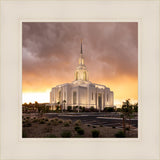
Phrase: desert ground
x=77 y=125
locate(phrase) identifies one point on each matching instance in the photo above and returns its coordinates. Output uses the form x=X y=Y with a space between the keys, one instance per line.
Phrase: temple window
x=84 y=75
x=92 y=95
x=76 y=75
x=74 y=97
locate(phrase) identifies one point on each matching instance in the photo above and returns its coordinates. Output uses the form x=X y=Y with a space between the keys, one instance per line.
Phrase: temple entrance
x=99 y=101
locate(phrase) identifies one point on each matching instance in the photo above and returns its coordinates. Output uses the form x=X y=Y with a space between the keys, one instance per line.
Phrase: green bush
x=69 y=108
x=66 y=134
x=66 y=124
x=76 y=128
x=95 y=133
x=120 y=134
x=60 y=121
x=80 y=131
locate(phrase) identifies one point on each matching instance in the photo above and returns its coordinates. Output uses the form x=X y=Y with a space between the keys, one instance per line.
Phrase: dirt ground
x=43 y=127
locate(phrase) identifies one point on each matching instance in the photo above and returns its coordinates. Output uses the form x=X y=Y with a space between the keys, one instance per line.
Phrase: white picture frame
x=13 y=13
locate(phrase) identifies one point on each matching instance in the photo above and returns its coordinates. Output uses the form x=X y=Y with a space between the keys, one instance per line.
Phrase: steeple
x=81 y=73
x=81 y=47
x=81 y=58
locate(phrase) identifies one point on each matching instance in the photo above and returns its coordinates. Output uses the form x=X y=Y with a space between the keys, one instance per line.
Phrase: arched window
x=76 y=75
x=84 y=76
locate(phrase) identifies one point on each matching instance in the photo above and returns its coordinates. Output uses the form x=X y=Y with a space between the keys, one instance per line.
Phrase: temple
x=81 y=92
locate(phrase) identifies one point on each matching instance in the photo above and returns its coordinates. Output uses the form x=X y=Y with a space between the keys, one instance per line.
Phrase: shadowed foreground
x=89 y=125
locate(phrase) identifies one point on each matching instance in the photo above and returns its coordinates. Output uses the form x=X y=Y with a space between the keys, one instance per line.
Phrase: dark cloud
x=51 y=51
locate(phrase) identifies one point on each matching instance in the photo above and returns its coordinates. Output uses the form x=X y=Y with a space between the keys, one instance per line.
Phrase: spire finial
x=81 y=46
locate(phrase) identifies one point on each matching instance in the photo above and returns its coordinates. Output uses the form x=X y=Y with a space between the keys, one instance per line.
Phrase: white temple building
x=81 y=92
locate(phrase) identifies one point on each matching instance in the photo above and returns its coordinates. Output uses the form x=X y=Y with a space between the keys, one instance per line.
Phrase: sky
x=51 y=50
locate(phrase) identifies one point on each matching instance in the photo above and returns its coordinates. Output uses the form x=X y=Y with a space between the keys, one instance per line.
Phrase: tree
x=58 y=107
x=91 y=109
x=36 y=105
x=69 y=108
x=135 y=106
x=64 y=101
x=127 y=112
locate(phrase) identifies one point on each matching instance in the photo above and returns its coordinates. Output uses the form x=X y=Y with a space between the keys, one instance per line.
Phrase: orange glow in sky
x=51 y=51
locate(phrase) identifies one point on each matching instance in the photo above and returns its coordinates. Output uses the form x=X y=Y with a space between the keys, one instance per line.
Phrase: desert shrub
x=60 y=121
x=95 y=133
x=51 y=136
x=101 y=125
x=120 y=134
x=52 y=120
x=66 y=124
x=88 y=125
x=69 y=121
x=94 y=126
x=66 y=134
x=34 y=117
x=56 y=119
x=46 y=119
x=78 y=122
x=76 y=128
x=27 y=117
x=113 y=127
x=41 y=121
x=80 y=131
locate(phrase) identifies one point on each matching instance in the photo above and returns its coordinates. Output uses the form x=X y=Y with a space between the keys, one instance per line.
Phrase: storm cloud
x=51 y=51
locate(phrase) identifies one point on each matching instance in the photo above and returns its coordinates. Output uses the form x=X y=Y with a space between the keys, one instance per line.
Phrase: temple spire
x=81 y=47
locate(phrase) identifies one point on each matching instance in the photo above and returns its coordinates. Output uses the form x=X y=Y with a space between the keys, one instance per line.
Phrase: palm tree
x=58 y=105
x=127 y=112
